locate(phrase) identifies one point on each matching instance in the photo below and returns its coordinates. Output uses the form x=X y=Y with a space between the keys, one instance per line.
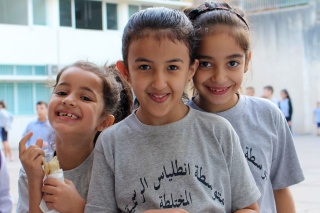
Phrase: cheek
x=197 y=78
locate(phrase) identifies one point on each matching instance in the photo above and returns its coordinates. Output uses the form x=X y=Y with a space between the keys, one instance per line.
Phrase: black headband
x=193 y=14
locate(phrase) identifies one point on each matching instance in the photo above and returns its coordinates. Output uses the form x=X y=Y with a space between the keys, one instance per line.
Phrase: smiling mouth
x=219 y=91
x=159 y=98
x=67 y=115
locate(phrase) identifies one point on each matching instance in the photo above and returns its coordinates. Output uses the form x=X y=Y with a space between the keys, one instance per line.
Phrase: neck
x=42 y=119
x=207 y=106
x=179 y=112
x=71 y=152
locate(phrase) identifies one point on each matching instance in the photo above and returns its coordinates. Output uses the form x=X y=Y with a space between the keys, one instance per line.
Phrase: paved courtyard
x=306 y=194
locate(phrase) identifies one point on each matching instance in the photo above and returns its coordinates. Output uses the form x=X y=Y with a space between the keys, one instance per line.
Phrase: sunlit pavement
x=306 y=194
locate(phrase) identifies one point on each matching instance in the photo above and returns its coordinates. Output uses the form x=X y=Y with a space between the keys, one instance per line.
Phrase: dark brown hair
x=207 y=16
x=42 y=102
x=110 y=90
x=125 y=105
x=159 y=22
x=116 y=93
x=3 y=104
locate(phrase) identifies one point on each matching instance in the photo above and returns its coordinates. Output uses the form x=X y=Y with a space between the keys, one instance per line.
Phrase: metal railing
x=258 y=5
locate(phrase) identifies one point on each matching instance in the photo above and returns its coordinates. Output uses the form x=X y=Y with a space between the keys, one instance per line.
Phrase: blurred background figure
x=5 y=198
x=40 y=127
x=5 y=123
x=285 y=106
x=316 y=117
x=268 y=94
x=250 y=91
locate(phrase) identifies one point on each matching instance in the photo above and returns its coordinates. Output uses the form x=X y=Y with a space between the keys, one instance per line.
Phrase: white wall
x=96 y=46
x=286 y=49
x=18 y=127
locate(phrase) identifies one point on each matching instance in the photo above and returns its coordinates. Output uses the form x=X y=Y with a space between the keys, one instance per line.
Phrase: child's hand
x=31 y=158
x=57 y=194
x=166 y=211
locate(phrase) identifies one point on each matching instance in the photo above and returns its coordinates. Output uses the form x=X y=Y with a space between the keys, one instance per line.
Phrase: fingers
x=52 y=182
x=39 y=142
x=32 y=153
x=23 y=142
x=68 y=182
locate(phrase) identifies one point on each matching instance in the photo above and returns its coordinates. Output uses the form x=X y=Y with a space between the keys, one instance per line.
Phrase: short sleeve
x=101 y=195
x=285 y=170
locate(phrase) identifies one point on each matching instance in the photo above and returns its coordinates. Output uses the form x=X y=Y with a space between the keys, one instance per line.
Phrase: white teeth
x=219 y=90
x=158 y=96
x=67 y=115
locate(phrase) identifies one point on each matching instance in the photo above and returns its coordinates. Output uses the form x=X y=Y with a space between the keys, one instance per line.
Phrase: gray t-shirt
x=80 y=177
x=267 y=144
x=195 y=163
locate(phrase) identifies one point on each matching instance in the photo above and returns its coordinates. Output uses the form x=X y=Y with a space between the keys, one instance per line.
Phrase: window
x=136 y=8
x=22 y=97
x=13 y=12
x=24 y=70
x=133 y=9
x=39 y=12
x=41 y=70
x=65 y=13
x=88 y=15
x=6 y=70
x=43 y=92
x=143 y=7
x=112 y=16
x=6 y=94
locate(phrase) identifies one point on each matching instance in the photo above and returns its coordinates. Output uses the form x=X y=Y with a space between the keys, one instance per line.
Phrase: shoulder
x=210 y=123
x=120 y=127
x=206 y=117
x=261 y=104
x=33 y=122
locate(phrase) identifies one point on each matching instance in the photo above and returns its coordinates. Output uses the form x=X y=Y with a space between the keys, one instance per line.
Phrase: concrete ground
x=306 y=194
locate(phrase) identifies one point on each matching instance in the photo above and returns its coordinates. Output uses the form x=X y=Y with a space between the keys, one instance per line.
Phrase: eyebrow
x=169 y=61
x=83 y=88
x=236 y=55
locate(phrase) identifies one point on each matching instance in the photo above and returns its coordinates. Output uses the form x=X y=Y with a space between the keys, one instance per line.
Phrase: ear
x=105 y=123
x=246 y=67
x=192 y=69
x=123 y=70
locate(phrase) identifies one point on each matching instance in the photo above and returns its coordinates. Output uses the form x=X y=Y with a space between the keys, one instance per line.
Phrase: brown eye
x=205 y=64
x=172 y=67
x=145 y=67
x=233 y=63
x=85 y=98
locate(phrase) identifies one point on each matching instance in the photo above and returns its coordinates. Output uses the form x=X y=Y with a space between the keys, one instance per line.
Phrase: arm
x=57 y=194
x=284 y=200
x=101 y=194
x=253 y=208
x=31 y=160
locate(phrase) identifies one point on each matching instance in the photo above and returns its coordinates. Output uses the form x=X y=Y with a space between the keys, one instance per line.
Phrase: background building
x=38 y=37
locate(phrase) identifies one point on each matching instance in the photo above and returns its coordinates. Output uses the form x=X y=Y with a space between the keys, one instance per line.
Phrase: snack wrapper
x=51 y=170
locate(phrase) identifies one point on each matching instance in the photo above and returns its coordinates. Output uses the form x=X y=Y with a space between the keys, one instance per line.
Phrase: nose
x=69 y=101
x=218 y=75
x=159 y=80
